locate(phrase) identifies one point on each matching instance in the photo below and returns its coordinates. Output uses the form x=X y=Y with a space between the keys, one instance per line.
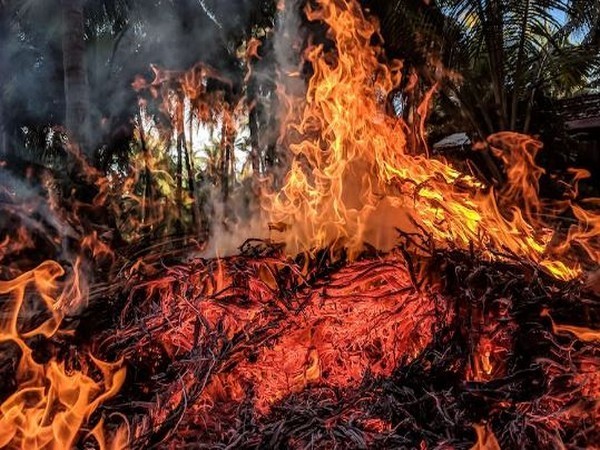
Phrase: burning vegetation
x=382 y=298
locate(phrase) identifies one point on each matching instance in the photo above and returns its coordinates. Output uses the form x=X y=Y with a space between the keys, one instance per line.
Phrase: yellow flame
x=353 y=178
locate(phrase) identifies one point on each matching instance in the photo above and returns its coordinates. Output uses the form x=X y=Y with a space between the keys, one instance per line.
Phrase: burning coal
x=397 y=303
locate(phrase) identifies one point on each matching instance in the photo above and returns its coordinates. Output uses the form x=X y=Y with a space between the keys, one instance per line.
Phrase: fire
x=485 y=438
x=328 y=340
x=52 y=402
x=582 y=333
x=286 y=333
x=263 y=328
x=353 y=178
x=345 y=334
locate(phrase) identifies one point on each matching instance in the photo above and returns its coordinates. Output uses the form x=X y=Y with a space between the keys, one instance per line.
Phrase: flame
x=353 y=179
x=485 y=438
x=582 y=333
x=482 y=365
x=118 y=441
x=52 y=402
x=13 y=244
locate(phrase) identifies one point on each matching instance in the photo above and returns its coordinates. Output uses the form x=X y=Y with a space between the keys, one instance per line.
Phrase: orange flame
x=485 y=438
x=353 y=180
x=51 y=403
x=582 y=333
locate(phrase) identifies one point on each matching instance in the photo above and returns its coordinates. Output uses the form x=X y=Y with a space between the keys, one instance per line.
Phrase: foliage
x=497 y=59
x=498 y=64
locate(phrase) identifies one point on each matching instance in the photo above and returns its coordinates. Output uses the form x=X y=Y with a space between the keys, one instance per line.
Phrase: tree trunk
x=3 y=139
x=4 y=24
x=253 y=124
x=254 y=142
x=77 y=101
x=179 y=179
x=148 y=191
x=191 y=171
x=491 y=14
x=225 y=161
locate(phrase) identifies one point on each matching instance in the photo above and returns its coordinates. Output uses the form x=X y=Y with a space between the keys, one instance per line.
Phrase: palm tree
x=509 y=52
x=4 y=24
x=501 y=56
x=77 y=96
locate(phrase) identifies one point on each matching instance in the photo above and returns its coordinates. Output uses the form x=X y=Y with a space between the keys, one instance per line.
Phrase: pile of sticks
x=264 y=351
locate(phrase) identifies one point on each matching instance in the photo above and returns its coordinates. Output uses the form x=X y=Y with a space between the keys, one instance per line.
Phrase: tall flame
x=353 y=178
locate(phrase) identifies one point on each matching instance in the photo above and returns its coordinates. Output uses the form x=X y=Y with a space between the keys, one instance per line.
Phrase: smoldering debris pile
x=260 y=351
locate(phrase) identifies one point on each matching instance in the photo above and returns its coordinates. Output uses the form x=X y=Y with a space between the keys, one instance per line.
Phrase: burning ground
x=397 y=303
x=260 y=350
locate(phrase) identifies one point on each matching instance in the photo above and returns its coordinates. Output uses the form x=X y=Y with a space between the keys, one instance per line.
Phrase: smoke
x=122 y=41
x=233 y=224
x=31 y=222
x=288 y=41
x=280 y=65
